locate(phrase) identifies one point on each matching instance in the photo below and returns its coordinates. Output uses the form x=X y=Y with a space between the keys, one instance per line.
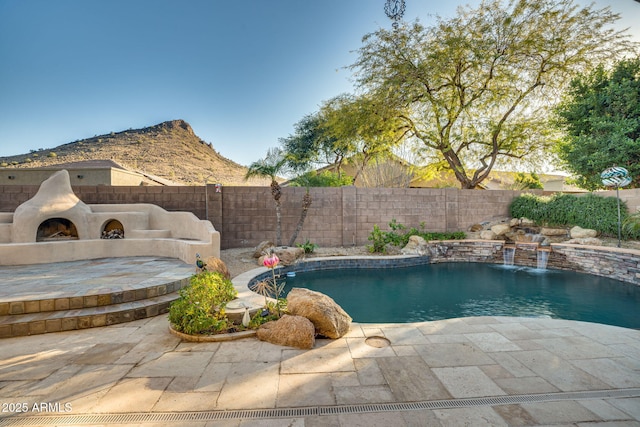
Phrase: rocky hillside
x=169 y=150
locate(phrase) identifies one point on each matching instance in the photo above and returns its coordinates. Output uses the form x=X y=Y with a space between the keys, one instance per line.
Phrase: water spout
x=542 y=258
x=509 y=254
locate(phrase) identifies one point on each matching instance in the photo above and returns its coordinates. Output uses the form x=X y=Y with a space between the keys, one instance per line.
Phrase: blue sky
x=241 y=72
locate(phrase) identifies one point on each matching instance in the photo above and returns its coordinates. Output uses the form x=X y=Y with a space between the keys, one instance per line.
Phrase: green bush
x=399 y=236
x=566 y=210
x=321 y=179
x=201 y=306
x=631 y=226
x=308 y=247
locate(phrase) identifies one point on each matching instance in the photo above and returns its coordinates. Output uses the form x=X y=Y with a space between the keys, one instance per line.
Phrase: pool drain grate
x=186 y=417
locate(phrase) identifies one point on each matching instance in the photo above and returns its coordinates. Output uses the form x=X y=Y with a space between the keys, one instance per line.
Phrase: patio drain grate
x=203 y=416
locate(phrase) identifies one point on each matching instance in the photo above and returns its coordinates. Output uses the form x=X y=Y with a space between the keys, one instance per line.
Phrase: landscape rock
x=546 y=231
x=514 y=222
x=476 y=227
x=328 y=318
x=291 y=331
x=287 y=255
x=582 y=233
x=488 y=235
x=215 y=264
x=262 y=248
x=500 y=229
x=589 y=241
x=526 y=222
x=416 y=245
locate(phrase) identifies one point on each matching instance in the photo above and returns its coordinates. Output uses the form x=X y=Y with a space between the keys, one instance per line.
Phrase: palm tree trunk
x=306 y=203
x=278 y=224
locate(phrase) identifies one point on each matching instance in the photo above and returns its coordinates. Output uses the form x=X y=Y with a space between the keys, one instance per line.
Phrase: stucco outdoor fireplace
x=55 y=226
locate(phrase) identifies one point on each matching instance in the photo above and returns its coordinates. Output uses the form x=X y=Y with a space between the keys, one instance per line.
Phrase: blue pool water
x=448 y=290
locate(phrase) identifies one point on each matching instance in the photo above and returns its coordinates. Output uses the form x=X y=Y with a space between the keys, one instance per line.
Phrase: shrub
x=321 y=179
x=631 y=226
x=399 y=236
x=308 y=247
x=588 y=211
x=201 y=306
x=52 y=154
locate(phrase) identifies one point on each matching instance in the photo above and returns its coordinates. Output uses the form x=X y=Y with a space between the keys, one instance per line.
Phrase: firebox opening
x=56 y=229
x=113 y=229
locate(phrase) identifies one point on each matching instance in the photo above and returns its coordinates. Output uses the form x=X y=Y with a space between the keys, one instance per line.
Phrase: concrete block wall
x=631 y=198
x=341 y=216
x=346 y=216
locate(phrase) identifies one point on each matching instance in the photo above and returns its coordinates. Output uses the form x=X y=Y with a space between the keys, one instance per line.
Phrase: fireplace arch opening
x=56 y=229
x=112 y=229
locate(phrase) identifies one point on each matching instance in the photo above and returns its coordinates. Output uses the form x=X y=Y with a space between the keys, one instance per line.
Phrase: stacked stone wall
x=614 y=263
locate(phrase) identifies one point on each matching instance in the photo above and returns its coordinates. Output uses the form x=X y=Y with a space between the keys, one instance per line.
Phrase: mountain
x=169 y=150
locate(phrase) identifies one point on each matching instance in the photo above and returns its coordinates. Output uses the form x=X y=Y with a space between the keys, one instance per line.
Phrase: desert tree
x=477 y=88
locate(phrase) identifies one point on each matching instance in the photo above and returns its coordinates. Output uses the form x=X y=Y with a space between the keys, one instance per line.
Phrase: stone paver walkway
x=472 y=371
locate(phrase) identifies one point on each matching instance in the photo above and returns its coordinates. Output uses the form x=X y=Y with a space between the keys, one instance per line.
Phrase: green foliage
x=310 y=144
x=4 y=164
x=399 y=236
x=52 y=154
x=321 y=179
x=475 y=89
x=588 y=211
x=601 y=118
x=308 y=247
x=631 y=226
x=527 y=181
x=271 y=312
x=201 y=306
x=378 y=239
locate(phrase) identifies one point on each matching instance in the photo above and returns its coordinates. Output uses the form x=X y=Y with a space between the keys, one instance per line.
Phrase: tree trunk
x=306 y=203
x=278 y=224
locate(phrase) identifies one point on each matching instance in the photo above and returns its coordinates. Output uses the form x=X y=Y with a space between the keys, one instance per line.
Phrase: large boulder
x=475 y=228
x=262 y=248
x=582 y=233
x=547 y=231
x=328 y=318
x=501 y=229
x=291 y=331
x=214 y=264
x=415 y=246
x=526 y=222
x=287 y=255
x=488 y=235
x=588 y=241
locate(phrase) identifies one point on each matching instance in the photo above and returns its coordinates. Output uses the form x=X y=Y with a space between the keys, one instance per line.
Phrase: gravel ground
x=239 y=260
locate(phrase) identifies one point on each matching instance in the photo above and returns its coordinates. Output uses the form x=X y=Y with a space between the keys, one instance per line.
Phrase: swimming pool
x=449 y=290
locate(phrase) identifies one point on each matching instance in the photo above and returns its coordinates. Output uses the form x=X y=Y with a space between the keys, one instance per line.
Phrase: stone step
x=69 y=299
x=57 y=321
